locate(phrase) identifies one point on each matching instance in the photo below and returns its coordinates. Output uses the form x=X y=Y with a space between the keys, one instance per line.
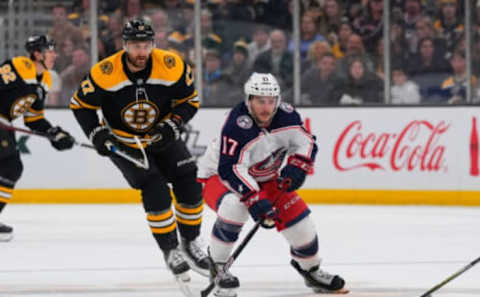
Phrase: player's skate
x=6 y=232
x=321 y=281
x=226 y=284
x=177 y=264
x=196 y=258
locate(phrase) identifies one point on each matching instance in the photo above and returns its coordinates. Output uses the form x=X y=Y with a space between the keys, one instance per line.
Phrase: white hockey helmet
x=262 y=84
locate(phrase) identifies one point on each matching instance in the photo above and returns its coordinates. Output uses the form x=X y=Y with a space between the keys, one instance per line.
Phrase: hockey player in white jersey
x=241 y=172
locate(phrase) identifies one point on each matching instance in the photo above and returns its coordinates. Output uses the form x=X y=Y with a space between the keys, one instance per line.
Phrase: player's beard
x=138 y=61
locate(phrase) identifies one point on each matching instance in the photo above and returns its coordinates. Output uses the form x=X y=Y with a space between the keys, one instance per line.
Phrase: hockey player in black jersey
x=24 y=83
x=146 y=95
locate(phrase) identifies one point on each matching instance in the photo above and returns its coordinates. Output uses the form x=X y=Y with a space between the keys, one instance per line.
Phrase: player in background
x=148 y=94
x=24 y=83
x=241 y=175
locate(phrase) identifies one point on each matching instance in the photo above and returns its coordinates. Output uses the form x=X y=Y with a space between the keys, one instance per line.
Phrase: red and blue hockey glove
x=60 y=139
x=260 y=208
x=296 y=170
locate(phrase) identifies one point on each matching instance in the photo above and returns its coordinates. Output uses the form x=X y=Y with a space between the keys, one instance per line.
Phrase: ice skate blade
x=219 y=292
x=329 y=292
x=182 y=281
x=6 y=237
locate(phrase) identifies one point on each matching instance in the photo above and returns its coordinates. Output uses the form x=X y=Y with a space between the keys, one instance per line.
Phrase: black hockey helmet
x=39 y=43
x=137 y=29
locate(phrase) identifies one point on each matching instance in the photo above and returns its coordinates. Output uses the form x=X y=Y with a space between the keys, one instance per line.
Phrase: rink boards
x=422 y=155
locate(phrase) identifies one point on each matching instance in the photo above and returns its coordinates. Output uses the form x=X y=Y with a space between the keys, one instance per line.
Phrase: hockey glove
x=165 y=134
x=60 y=139
x=102 y=139
x=296 y=170
x=260 y=208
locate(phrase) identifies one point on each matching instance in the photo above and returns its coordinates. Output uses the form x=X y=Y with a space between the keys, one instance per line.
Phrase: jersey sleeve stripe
x=192 y=99
x=77 y=101
x=32 y=119
x=158 y=81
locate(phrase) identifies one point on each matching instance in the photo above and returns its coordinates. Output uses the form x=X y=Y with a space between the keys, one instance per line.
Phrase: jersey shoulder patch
x=26 y=69
x=167 y=67
x=286 y=116
x=286 y=107
x=240 y=125
x=108 y=74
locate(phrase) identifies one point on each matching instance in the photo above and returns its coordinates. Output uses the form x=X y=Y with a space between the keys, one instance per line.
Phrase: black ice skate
x=177 y=264
x=226 y=284
x=6 y=232
x=196 y=258
x=321 y=281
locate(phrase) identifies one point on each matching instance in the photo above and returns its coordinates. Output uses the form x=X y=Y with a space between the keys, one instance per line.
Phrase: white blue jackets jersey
x=246 y=154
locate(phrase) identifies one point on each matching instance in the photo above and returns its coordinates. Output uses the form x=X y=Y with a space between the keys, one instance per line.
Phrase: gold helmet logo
x=140 y=116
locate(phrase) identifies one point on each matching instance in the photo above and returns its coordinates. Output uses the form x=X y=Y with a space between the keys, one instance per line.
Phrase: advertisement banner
x=359 y=148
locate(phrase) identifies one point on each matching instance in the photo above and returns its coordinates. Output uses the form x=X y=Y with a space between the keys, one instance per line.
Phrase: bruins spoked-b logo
x=21 y=105
x=140 y=115
x=106 y=67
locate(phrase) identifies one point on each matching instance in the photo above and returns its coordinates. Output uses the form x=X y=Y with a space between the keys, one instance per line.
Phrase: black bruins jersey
x=132 y=103
x=22 y=92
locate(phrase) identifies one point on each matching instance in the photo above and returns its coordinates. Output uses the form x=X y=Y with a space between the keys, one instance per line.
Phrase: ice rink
x=107 y=250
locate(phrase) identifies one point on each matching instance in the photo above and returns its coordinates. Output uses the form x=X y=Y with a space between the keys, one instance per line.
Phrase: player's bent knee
x=11 y=171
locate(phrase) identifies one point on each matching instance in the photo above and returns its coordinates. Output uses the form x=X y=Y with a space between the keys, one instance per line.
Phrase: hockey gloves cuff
x=60 y=139
x=102 y=139
x=296 y=170
x=165 y=134
x=260 y=208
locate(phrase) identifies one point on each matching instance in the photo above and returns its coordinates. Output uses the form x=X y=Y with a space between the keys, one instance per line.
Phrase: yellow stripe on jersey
x=108 y=74
x=28 y=119
x=77 y=103
x=192 y=100
x=129 y=139
x=159 y=217
x=167 y=67
x=164 y=230
x=5 y=194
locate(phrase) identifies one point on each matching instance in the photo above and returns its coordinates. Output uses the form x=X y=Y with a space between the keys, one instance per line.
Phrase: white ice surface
x=108 y=251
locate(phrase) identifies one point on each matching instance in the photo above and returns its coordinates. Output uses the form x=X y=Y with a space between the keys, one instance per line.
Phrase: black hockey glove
x=260 y=208
x=102 y=138
x=296 y=170
x=60 y=139
x=164 y=134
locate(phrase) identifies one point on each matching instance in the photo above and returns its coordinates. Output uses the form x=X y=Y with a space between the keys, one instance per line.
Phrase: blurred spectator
x=132 y=9
x=424 y=28
x=277 y=60
x=370 y=25
x=64 y=58
x=316 y=50
x=413 y=13
x=234 y=21
x=333 y=16
x=378 y=63
x=399 y=45
x=54 y=92
x=427 y=60
x=62 y=30
x=173 y=8
x=112 y=39
x=449 y=24
x=476 y=55
x=308 y=34
x=161 y=41
x=361 y=86
x=404 y=91
x=320 y=84
x=259 y=44
x=217 y=86
x=81 y=19
x=159 y=20
x=275 y=13
x=354 y=49
x=239 y=70
x=343 y=34
x=74 y=74
x=455 y=87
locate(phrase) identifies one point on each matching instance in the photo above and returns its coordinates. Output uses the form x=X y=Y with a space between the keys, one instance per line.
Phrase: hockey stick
x=453 y=276
x=140 y=163
x=284 y=184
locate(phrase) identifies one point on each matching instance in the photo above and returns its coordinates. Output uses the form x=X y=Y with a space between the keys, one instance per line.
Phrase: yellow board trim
x=330 y=196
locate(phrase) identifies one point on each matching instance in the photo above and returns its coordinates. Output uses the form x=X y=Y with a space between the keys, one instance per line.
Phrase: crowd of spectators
x=341 y=47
